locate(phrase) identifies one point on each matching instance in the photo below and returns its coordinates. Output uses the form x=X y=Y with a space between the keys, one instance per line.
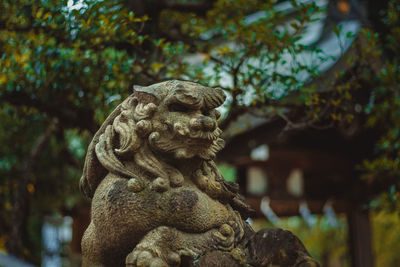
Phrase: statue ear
x=153 y=90
x=213 y=97
x=137 y=88
x=146 y=94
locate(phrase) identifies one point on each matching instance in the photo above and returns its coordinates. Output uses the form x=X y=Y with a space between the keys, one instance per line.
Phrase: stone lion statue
x=158 y=198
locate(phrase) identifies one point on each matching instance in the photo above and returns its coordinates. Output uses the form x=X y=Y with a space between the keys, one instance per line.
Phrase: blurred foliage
x=228 y=172
x=386 y=236
x=384 y=113
x=243 y=55
x=67 y=64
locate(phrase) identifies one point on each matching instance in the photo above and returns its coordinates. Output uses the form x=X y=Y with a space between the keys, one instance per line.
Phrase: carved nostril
x=195 y=124
x=203 y=123
x=208 y=123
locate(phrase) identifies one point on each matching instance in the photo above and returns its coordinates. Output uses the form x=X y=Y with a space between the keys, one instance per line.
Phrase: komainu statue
x=158 y=198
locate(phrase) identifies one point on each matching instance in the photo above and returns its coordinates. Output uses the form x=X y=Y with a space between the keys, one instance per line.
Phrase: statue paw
x=144 y=258
x=150 y=258
x=225 y=237
x=237 y=225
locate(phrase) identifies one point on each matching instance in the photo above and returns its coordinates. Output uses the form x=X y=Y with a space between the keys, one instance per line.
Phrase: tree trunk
x=20 y=209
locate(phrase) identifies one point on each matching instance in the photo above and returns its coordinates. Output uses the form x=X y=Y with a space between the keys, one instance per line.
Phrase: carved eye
x=206 y=112
x=175 y=107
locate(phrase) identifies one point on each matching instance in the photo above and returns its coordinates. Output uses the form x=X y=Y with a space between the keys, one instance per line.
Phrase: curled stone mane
x=128 y=134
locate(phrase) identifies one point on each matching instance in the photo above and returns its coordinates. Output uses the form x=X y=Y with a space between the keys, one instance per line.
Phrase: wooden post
x=242 y=179
x=360 y=237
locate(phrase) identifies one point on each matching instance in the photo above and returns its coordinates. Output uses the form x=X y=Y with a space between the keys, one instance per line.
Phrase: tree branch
x=198 y=8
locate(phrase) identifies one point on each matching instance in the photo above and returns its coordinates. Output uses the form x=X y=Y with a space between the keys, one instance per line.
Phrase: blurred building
x=310 y=171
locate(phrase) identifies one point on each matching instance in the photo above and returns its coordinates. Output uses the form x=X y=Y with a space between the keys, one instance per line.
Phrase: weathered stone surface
x=158 y=198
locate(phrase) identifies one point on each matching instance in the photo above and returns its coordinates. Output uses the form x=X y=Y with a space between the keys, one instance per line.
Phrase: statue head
x=184 y=121
x=157 y=125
